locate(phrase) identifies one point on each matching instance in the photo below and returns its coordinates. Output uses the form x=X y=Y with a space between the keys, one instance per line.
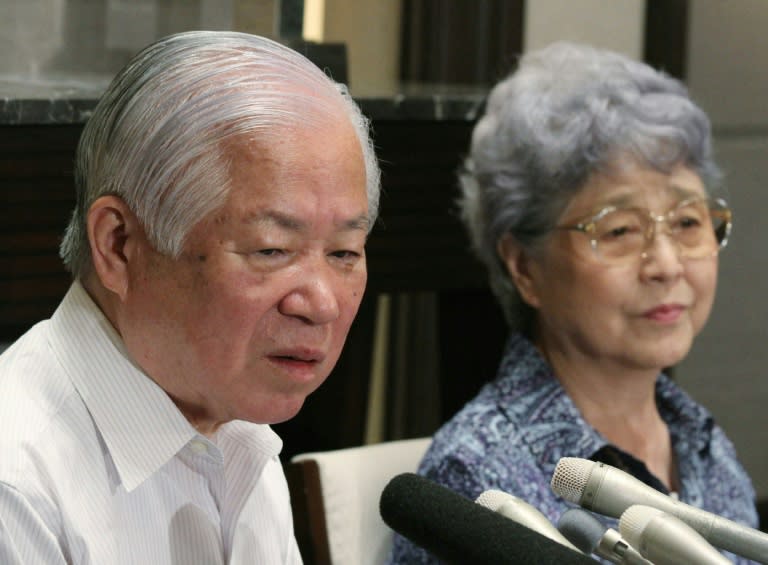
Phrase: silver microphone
x=593 y=537
x=610 y=491
x=667 y=540
x=523 y=513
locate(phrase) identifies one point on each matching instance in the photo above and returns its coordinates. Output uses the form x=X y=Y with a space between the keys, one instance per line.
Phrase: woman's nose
x=662 y=256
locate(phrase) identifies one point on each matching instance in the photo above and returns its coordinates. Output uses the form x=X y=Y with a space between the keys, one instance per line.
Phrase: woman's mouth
x=666 y=313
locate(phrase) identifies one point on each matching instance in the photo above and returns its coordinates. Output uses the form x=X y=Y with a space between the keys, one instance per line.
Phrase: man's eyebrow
x=276 y=218
x=361 y=222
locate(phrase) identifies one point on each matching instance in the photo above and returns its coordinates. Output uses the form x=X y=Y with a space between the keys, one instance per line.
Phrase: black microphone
x=456 y=530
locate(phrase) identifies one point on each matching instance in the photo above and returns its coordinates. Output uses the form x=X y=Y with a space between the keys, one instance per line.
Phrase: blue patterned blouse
x=513 y=433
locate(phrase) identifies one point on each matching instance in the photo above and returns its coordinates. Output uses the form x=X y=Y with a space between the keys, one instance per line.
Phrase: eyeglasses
x=699 y=226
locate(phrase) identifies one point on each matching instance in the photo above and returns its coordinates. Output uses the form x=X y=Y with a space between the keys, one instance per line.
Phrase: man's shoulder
x=41 y=414
x=32 y=382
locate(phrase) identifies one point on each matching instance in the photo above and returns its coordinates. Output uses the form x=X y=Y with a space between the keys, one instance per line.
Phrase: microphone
x=610 y=491
x=590 y=535
x=456 y=530
x=523 y=513
x=667 y=540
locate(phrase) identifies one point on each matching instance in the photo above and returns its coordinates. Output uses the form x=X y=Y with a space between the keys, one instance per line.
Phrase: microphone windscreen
x=456 y=530
x=582 y=529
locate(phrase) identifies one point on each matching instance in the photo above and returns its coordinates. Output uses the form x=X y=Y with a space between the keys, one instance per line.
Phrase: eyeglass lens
x=698 y=227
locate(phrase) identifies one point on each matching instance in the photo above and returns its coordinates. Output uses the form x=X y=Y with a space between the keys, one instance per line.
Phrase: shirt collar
x=248 y=446
x=690 y=424
x=140 y=425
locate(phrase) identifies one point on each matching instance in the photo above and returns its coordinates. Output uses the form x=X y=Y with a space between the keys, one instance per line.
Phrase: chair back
x=335 y=498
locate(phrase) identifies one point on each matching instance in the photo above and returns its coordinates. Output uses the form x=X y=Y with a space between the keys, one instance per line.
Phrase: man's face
x=253 y=316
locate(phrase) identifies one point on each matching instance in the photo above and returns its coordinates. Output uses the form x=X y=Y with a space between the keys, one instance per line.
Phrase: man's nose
x=313 y=297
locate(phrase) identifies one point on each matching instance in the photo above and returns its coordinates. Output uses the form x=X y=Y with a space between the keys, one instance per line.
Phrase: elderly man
x=225 y=190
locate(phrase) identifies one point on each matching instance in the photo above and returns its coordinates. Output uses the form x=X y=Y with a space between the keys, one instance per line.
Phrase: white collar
x=141 y=426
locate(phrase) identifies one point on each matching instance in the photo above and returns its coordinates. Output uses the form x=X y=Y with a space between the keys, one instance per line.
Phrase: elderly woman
x=590 y=195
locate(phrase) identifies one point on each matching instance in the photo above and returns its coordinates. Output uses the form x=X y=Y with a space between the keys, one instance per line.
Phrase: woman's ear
x=113 y=234
x=519 y=266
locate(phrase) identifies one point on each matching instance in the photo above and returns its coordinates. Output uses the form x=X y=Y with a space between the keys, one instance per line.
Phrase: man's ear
x=114 y=234
x=518 y=264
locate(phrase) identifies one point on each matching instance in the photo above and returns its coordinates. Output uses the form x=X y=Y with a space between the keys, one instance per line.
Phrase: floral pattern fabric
x=512 y=434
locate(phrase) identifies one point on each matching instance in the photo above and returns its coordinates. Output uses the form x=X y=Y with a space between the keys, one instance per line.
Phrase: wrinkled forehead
x=326 y=126
x=636 y=186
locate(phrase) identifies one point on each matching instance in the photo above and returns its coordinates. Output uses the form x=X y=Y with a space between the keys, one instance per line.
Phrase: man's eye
x=270 y=252
x=345 y=254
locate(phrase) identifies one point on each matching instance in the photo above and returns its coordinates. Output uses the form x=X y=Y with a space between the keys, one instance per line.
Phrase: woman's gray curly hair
x=568 y=111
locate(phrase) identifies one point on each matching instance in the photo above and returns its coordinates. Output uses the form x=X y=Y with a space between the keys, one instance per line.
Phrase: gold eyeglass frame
x=718 y=205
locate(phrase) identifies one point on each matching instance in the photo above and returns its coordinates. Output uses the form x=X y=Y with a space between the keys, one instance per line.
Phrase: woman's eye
x=620 y=231
x=687 y=223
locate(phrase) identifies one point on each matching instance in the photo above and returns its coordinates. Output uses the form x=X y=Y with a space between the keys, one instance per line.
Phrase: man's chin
x=279 y=411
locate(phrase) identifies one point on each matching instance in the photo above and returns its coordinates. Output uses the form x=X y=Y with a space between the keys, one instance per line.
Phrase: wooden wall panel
x=36 y=198
x=419 y=244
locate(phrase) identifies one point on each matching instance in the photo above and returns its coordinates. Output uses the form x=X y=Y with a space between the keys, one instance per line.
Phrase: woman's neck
x=621 y=405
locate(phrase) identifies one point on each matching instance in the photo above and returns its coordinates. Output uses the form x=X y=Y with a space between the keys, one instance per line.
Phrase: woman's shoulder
x=478 y=449
x=476 y=429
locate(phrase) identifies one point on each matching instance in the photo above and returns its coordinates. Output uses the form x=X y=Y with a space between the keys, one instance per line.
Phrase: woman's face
x=642 y=314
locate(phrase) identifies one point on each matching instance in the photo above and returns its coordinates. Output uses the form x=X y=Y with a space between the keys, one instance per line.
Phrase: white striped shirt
x=98 y=466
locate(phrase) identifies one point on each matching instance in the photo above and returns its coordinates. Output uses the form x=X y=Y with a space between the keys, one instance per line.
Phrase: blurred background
x=426 y=341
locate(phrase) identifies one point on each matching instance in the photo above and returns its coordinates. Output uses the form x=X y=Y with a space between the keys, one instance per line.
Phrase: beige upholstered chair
x=335 y=498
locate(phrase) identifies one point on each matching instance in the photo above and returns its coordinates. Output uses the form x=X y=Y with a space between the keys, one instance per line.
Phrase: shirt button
x=198 y=447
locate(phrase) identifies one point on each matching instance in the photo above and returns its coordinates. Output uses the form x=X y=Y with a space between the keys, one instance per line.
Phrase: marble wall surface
x=51 y=38
x=728 y=367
